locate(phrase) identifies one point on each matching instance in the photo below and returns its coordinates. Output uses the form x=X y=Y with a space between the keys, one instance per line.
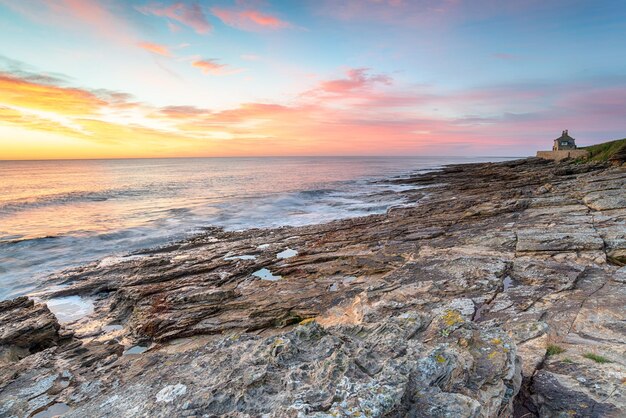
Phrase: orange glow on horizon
x=359 y=114
x=108 y=125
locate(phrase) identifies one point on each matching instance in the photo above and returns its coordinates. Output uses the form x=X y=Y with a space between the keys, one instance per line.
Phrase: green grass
x=568 y=360
x=553 y=350
x=597 y=358
x=604 y=151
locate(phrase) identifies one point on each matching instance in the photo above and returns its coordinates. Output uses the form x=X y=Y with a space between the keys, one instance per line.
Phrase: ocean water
x=58 y=214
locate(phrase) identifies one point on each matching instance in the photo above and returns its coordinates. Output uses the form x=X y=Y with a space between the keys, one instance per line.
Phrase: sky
x=126 y=79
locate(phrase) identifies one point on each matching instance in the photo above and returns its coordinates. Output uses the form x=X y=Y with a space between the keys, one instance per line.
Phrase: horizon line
x=265 y=156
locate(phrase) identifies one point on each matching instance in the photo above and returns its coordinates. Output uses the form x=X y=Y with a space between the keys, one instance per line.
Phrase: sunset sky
x=106 y=78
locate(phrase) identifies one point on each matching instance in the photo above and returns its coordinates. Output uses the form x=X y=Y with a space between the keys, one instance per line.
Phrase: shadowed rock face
x=442 y=309
x=26 y=328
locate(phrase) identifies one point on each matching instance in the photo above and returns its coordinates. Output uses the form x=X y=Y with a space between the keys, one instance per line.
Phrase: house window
x=564 y=143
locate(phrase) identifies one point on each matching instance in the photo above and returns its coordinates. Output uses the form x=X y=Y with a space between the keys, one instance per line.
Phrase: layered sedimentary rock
x=26 y=328
x=501 y=292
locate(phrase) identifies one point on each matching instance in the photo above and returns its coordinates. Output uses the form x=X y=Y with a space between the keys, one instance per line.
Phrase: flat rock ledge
x=501 y=292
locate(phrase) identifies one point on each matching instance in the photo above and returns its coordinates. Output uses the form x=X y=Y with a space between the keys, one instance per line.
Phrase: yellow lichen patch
x=307 y=321
x=452 y=317
x=496 y=341
x=492 y=355
x=440 y=359
x=277 y=342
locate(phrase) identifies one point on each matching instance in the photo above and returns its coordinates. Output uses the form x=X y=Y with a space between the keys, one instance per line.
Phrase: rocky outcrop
x=26 y=328
x=500 y=293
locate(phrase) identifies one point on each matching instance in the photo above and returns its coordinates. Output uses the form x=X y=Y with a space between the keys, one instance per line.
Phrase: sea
x=63 y=213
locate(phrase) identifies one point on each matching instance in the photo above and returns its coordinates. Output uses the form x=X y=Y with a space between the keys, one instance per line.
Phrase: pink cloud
x=367 y=93
x=358 y=113
x=213 y=67
x=93 y=16
x=356 y=79
x=249 y=19
x=601 y=102
x=155 y=48
x=181 y=112
x=190 y=15
x=363 y=113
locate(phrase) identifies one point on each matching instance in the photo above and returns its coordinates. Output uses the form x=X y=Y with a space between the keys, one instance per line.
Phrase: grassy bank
x=606 y=150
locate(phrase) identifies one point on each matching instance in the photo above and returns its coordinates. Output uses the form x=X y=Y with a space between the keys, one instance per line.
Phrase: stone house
x=565 y=142
x=563 y=147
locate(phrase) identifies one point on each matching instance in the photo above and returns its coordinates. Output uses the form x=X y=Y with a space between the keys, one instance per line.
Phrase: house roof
x=565 y=137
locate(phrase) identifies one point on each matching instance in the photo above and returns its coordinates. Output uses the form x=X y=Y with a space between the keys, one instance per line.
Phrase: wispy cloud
x=24 y=93
x=190 y=15
x=155 y=48
x=373 y=117
x=97 y=18
x=249 y=19
x=179 y=112
x=214 y=67
x=356 y=79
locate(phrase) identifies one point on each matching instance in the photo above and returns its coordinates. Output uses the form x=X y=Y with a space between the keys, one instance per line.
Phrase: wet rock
x=445 y=308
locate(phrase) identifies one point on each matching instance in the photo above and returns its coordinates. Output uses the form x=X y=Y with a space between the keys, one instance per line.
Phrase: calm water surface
x=57 y=214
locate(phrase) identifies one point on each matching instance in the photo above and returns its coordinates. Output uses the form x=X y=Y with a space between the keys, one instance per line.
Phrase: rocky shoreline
x=501 y=293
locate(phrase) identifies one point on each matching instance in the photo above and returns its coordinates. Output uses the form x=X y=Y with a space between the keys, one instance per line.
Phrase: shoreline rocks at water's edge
x=443 y=309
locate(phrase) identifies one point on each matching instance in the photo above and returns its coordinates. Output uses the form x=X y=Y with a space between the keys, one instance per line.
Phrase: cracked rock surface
x=500 y=293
